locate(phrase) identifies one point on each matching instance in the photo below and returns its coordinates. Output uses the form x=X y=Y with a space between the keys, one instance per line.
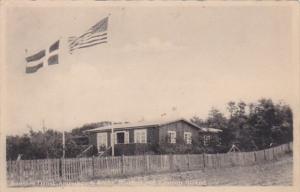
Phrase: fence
x=50 y=172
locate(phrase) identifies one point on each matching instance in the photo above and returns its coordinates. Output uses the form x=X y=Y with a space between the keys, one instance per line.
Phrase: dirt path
x=268 y=174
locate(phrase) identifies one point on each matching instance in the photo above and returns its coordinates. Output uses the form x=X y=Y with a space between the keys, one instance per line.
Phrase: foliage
x=251 y=126
x=80 y=130
x=48 y=143
x=35 y=145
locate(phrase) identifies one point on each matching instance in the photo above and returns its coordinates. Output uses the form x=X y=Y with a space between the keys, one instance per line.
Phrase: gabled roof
x=145 y=124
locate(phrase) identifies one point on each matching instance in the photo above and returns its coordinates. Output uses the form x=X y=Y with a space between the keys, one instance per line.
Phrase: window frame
x=138 y=132
x=187 y=137
x=206 y=139
x=126 y=137
x=99 y=137
x=170 y=139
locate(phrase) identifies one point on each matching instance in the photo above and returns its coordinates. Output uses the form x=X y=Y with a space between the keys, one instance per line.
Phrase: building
x=145 y=137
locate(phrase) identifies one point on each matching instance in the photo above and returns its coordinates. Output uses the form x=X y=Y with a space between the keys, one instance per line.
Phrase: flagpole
x=112 y=142
x=61 y=43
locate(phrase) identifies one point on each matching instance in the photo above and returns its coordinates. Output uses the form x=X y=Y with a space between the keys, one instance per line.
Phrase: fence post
x=203 y=156
x=273 y=151
x=218 y=161
x=93 y=167
x=61 y=172
x=254 y=156
x=188 y=161
x=122 y=165
x=265 y=155
x=171 y=162
x=147 y=163
x=19 y=170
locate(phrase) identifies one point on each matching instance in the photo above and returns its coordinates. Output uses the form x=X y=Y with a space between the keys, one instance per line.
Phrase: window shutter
x=126 y=137
x=115 y=138
x=98 y=141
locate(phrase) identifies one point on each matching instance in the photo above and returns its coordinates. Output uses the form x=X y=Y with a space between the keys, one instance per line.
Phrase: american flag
x=97 y=34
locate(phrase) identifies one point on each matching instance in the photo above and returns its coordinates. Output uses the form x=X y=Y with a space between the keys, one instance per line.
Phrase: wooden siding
x=152 y=135
x=133 y=149
x=180 y=127
x=131 y=136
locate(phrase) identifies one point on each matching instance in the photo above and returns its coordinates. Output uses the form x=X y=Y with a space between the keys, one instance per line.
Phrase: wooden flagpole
x=112 y=141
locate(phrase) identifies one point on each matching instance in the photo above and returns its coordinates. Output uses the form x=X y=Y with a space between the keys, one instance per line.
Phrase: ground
x=267 y=174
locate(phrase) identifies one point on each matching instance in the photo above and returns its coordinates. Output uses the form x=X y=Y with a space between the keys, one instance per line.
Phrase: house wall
x=180 y=127
x=152 y=135
x=133 y=149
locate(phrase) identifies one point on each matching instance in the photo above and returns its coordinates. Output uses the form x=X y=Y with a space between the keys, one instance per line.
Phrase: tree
x=199 y=121
x=80 y=130
x=272 y=123
x=216 y=119
x=239 y=126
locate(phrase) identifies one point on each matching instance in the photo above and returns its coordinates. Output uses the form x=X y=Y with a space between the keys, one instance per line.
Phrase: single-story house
x=135 y=138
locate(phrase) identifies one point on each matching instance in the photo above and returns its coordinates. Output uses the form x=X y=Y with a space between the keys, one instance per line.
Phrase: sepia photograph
x=149 y=94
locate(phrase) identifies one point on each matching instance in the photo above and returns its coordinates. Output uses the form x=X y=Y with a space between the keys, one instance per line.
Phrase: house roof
x=150 y=124
x=212 y=130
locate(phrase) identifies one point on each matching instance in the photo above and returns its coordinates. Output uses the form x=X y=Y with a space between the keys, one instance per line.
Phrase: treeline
x=40 y=145
x=250 y=126
x=48 y=143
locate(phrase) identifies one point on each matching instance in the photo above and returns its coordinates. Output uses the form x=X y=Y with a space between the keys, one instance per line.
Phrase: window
x=206 y=139
x=121 y=137
x=187 y=137
x=140 y=136
x=101 y=140
x=171 y=136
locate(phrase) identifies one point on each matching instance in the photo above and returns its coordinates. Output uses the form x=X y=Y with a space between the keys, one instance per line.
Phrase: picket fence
x=49 y=172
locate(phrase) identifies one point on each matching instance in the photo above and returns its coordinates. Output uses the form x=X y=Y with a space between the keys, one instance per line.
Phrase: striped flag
x=53 y=53
x=97 y=34
x=35 y=62
x=45 y=56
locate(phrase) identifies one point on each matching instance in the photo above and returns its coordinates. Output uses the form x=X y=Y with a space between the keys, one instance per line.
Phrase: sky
x=192 y=58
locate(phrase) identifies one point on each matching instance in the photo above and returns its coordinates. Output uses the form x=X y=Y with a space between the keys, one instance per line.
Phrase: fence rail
x=50 y=172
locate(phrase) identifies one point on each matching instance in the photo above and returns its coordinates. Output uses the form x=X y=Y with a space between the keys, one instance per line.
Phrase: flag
x=53 y=53
x=43 y=57
x=97 y=34
x=35 y=62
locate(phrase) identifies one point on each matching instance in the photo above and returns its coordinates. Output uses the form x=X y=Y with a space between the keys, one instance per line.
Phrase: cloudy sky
x=156 y=58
